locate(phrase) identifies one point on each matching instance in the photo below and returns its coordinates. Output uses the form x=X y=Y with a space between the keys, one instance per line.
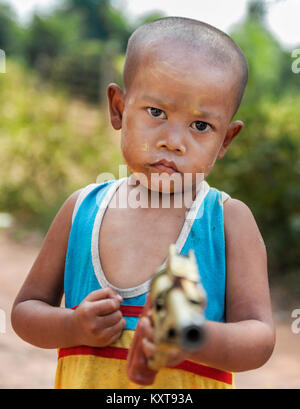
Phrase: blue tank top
x=203 y=231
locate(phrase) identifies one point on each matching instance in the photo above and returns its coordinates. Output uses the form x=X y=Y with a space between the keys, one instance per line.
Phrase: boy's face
x=177 y=110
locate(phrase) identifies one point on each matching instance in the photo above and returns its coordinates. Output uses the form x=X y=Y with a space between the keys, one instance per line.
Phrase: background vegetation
x=55 y=136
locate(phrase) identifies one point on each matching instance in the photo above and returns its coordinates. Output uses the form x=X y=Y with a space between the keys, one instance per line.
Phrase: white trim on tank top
x=181 y=239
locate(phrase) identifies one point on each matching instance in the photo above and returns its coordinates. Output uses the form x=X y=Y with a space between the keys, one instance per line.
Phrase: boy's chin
x=160 y=183
x=164 y=183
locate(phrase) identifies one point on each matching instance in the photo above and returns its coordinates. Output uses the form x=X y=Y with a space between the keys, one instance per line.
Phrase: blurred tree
x=50 y=145
x=79 y=71
x=93 y=16
x=51 y=36
x=11 y=33
x=257 y=10
x=77 y=46
x=262 y=167
x=288 y=81
x=264 y=54
x=100 y=20
x=148 y=17
x=269 y=64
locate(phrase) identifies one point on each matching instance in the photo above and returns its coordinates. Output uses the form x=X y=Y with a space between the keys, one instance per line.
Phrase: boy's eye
x=156 y=113
x=200 y=126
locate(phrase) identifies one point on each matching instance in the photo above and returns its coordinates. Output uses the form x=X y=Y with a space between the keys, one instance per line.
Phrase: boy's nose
x=173 y=143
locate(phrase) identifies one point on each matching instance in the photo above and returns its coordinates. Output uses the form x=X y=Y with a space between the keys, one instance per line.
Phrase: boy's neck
x=148 y=198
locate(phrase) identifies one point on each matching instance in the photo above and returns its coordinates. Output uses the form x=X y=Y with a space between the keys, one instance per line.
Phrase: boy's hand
x=143 y=347
x=137 y=368
x=98 y=321
x=174 y=355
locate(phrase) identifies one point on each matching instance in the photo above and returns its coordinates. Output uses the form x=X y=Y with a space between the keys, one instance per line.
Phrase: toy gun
x=178 y=303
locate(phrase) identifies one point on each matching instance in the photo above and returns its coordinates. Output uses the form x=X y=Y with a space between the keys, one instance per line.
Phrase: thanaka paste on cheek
x=145 y=147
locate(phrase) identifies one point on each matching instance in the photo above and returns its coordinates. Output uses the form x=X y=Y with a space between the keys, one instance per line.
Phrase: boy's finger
x=148 y=306
x=149 y=348
x=105 y=307
x=136 y=368
x=102 y=294
x=108 y=321
x=146 y=328
x=173 y=354
x=114 y=330
x=115 y=337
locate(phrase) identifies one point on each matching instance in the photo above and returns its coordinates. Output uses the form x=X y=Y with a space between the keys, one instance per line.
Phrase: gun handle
x=137 y=368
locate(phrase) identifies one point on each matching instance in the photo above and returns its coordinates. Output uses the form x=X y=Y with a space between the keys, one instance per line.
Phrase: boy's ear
x=233 y=130
x=116 y=105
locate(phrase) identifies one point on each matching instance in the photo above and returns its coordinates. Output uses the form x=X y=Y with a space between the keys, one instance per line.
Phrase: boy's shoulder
x=239 y=222
x=65 y=214
x=236 y=213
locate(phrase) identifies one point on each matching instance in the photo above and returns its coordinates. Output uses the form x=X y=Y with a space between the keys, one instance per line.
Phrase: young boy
x=183 y=83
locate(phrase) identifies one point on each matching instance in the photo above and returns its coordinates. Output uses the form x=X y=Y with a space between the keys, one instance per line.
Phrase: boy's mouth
x=166 y=166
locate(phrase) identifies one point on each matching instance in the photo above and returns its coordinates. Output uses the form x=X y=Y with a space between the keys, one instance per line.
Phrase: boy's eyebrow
x=163 y=102
x=167 y=104
x=206 y=115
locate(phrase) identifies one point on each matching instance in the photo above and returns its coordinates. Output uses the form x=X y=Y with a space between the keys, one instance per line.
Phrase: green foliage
x=148 y=17
x=79 y=71
x=76 y=46
x=288 y=83
x=262 y=168
x=50 y=37
x=49 y=147
x=265 y=58
x=100 y=20
x=257 y=9
x=11 y=34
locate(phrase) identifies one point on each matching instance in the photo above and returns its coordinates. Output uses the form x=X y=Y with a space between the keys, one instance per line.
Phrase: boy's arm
x=246 y=340
x=36 y=314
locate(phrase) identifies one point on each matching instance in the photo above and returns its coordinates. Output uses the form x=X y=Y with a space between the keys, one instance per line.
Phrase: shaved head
x=214 y=48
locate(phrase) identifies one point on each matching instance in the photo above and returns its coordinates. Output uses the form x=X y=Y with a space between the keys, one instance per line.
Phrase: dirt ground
x=24 y=366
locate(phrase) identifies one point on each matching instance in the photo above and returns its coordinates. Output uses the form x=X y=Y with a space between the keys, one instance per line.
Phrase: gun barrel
x=185 y=321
